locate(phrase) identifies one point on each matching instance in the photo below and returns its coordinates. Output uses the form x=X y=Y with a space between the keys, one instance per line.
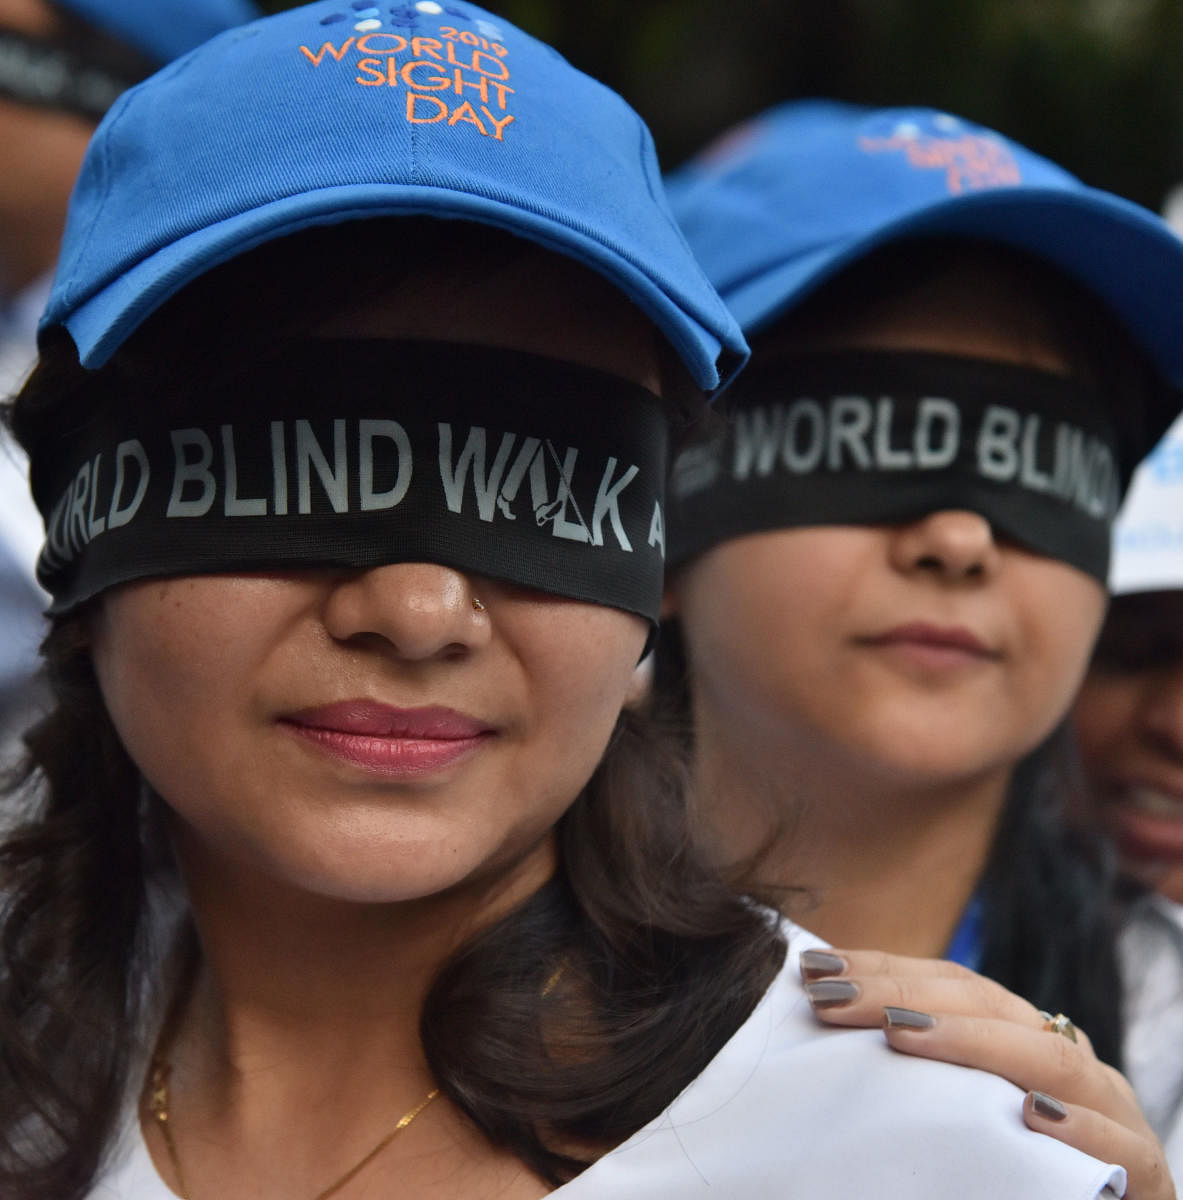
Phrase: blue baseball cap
x=787 y=200
x=341 y=111
x=163 y=29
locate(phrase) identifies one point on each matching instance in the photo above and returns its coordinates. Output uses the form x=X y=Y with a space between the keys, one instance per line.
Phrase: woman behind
x=960 y=353
x=350 y=435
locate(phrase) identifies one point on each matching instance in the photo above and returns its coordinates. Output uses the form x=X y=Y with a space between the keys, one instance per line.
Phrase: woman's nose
x=418 y=610
x=954 y=544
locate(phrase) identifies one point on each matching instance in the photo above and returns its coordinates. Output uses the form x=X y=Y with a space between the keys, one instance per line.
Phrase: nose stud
x=477 y=606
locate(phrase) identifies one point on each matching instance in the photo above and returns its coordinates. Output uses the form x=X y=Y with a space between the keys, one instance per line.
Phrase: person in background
x=62 y=65
x=888 y=569
x=1128 y=721
x=1129 y=716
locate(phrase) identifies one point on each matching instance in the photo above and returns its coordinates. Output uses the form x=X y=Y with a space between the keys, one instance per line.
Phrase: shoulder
x=130 y=1173
x=792 y=1107
x=1152 y=963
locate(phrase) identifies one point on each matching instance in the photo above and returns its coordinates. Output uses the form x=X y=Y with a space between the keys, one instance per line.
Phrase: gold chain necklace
x=158 y=1107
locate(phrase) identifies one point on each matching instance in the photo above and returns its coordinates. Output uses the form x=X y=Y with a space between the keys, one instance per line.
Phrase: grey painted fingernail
x=820 y=962
x=906 y=1018
x=1047 y=1106
x=831 y=993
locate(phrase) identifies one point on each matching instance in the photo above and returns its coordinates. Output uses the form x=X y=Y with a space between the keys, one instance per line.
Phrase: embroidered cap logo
x=448 y=74
x=970 y=161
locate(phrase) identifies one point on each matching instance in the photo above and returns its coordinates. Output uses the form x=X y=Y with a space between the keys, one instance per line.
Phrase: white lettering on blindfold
x=73 y=522
x=801 y=435
x=206 y=469
x=854 y=432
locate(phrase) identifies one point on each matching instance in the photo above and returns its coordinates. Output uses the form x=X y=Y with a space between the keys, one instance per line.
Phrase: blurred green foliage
x=1095 y=84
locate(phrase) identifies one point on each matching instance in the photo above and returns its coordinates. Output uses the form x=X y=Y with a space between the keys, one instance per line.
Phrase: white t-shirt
x=1151 y=951
x=790 y=1107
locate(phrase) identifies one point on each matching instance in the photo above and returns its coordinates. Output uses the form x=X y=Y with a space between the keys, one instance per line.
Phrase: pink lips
x=390 y=741
x=1147 y=820
x=933 y=646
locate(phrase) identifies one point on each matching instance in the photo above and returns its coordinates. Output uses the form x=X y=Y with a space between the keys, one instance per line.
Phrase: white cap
x=1148 y=536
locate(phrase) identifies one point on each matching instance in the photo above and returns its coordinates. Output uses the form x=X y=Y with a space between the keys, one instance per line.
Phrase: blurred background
x=1095 y=84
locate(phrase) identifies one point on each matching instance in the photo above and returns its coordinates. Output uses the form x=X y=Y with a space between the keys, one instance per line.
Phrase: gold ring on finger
x=1058 y=1024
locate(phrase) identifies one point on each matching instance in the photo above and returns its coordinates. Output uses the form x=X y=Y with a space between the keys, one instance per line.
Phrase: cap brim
x=1126 y=257
x=103 y=321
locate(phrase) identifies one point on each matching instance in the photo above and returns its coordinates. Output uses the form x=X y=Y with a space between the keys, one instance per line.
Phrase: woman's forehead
x=973 y=308
x=538 y=302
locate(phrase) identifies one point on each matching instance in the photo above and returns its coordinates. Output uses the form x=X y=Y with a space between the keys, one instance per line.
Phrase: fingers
x=1071 y=1096
x=1030 y=1058
x=922 y=984
x=939 y=1010
x=960 y=1017
x=1108 y=1140
x=875 y=962
x=868 y=981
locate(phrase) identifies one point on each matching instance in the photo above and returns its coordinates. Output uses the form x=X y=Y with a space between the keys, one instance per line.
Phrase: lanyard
x=968 y=942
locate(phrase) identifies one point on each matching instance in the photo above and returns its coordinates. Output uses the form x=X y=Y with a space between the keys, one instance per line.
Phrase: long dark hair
x=1053 y=900
x=560 y=1030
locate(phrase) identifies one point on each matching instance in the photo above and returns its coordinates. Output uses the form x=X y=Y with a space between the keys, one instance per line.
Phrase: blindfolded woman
x=890 y=564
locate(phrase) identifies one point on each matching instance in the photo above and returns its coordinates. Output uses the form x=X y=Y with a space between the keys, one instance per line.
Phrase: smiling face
x=922 y=655
x=375 y=735
x=1129 y=721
